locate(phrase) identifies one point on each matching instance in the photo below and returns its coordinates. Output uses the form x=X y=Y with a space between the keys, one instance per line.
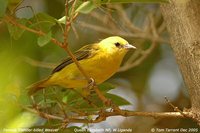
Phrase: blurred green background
x=144 y=85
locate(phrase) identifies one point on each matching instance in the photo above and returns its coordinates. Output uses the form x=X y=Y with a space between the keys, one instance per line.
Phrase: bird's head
x=115 y=45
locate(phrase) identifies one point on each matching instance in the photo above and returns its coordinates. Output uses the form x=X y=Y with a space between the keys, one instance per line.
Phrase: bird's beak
x=129 y=46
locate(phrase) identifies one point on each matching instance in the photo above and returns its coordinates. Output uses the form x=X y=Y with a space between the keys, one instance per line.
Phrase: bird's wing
x=84 y=53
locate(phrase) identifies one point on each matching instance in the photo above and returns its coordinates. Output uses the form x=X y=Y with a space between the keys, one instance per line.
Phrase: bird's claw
x=87 y=90
x=91 y=83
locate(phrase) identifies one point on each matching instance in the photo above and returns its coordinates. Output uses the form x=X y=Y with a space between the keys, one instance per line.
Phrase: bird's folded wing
x=84 y=53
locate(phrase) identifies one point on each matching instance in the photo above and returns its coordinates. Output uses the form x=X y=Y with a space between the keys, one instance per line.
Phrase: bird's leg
x=90 y=85
x=86 y=91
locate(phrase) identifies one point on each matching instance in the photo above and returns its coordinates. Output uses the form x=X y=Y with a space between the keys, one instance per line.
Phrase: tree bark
x=182 y=18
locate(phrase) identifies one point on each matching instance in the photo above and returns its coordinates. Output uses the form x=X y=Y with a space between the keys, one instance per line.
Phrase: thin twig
x=174 y=107
x=121 y=12
x=65 y=44
x=190 y=113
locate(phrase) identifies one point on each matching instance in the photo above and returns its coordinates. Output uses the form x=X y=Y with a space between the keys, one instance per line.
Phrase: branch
x=101 y=116
x=65 y=44
x=10 y=19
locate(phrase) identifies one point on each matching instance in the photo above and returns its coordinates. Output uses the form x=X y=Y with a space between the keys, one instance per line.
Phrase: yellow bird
x=100 y=61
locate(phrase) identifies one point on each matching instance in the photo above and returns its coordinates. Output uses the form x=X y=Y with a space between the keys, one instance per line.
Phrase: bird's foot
x=91 y=83
x=86 y=91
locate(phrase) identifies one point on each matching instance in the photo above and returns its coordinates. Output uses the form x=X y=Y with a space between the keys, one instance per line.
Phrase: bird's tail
x=37 y=86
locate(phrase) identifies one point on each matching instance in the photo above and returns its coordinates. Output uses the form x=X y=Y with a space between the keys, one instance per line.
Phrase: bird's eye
x=117 y=44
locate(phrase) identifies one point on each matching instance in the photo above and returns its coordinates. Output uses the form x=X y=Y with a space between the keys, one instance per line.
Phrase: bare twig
x=101 y=116
x=161 y=28
x=174 y=107
x=126 y=20
x=190 y=113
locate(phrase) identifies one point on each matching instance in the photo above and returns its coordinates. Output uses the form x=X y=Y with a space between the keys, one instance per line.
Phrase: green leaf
x=65 y=99
x=86 y=7
x=130 y=1
x=3 y=6
x=117 y=99
x=62 y=20
x=43 y=22
x=43 y=40
x=15 y=31
x=105 y=87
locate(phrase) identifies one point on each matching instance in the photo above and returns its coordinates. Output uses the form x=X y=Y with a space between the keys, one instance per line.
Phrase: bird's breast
x=101 y=67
